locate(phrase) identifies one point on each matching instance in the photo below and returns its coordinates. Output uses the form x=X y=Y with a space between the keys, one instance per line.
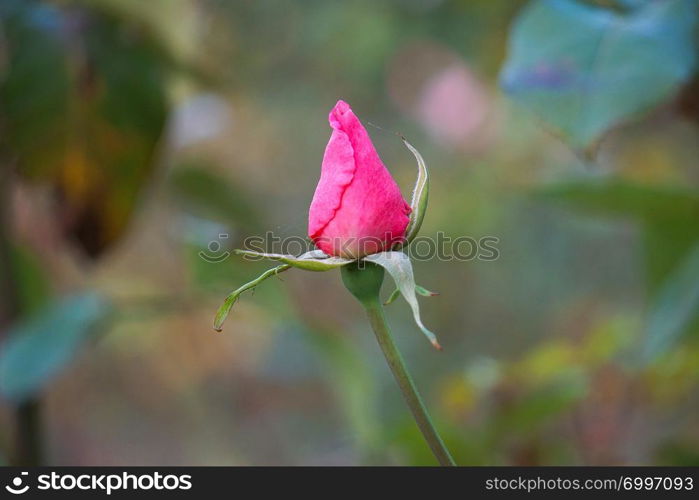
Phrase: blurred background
x=135 y=135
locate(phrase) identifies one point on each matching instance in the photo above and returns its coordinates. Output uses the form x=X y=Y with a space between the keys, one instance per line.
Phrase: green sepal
x=232 y=298
x=421 y=193
x=363 y=280
x=400 y=268
x=315 y=260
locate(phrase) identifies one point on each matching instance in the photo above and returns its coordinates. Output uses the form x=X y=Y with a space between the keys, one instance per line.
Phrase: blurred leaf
x=548 y=362
x=172 y=24
x=676 y=305
x=608 y=339
x=32 y=107
x=209 y=195
x=32 y=285
x=584 y=69
x=666 y=245
x=37 y=349
x=633 y=4
x=108 y=163
x=617 y=197
x=668 y=218
x=667 y=215
x=539 y=405
x=84 y=103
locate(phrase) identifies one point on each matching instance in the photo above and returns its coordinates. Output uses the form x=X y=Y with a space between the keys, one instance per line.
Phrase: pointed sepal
x=232 y=298
x=315 y=260
x=421 y=192
x=400 y=268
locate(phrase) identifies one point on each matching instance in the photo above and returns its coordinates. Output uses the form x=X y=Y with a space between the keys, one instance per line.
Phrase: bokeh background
x=134 y=134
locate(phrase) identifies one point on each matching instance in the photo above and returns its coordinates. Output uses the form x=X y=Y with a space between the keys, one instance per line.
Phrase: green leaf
x=38 y=348
x=315 y=260
x=421 y=193
x=400 y=268
x=675 y=307
x=232 y=298
x=584 y=69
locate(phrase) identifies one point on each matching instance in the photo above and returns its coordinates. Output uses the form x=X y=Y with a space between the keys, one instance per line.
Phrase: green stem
x=395 y=361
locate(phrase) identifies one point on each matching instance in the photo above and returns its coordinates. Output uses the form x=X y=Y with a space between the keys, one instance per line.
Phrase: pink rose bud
x=357 y=208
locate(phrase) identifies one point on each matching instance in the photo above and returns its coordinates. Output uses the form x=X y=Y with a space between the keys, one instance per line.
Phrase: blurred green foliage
x=585 y=68
x=84 y=103
x=38 y=348
x=212 y=196
x=133 y=134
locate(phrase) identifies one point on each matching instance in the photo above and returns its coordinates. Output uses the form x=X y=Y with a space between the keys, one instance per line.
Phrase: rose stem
x=363 y=280
x=395 y=361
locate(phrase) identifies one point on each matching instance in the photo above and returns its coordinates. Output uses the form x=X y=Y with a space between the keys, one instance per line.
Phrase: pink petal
x=357 y=208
